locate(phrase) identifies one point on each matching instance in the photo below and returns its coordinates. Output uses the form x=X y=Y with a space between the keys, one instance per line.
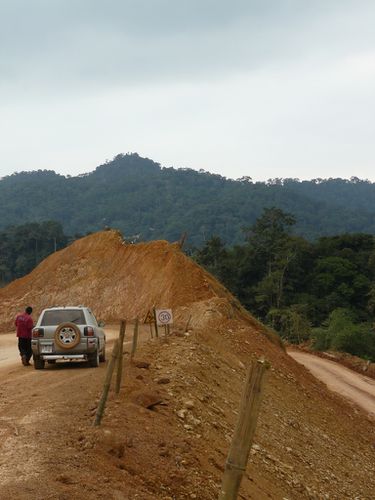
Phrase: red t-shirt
x=24 y=324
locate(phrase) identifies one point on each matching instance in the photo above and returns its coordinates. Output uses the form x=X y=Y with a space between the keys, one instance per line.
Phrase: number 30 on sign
x=164 y=317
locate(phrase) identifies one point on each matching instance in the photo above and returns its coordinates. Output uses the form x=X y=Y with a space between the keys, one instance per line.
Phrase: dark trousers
x=24 y=346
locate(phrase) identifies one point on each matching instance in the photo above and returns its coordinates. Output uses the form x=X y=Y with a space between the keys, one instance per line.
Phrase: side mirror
x=101 y=324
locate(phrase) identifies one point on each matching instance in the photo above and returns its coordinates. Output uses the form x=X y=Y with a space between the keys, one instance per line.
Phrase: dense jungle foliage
x=146 y=202
x=23 y=247
x=323 y=291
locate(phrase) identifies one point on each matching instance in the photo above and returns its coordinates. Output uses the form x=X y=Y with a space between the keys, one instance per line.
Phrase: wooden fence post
x=187 y=324
x=107 y=384
x=182 y=240
x=156 y=324
x=120 y=356
x=135 y=339
x=244 y=432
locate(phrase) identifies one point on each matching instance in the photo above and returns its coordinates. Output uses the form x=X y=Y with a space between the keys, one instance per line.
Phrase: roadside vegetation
x=322 y=292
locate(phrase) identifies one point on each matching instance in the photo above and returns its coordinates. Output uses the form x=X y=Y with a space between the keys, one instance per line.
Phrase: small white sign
x=164 y=317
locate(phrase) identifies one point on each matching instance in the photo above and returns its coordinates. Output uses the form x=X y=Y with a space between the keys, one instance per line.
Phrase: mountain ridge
x=139 y=197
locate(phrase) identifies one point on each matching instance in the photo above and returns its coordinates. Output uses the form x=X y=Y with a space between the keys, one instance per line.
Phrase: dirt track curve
x=356 y=387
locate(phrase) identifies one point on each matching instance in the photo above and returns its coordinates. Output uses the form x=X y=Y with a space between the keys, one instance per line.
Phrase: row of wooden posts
x=116 y=360
x=247 y=420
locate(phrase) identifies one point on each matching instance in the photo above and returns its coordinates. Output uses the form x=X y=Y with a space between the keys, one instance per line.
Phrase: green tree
x=23 y=247
x=291 y=322
x=272 y=249
x=343 y=333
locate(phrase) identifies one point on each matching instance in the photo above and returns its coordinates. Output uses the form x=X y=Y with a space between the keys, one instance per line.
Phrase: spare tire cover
x=67 y=335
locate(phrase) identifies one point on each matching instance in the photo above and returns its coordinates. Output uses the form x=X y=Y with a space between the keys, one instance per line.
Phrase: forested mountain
x=139 y=197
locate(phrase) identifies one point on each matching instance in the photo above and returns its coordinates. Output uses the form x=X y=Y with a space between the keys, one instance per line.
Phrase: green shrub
x=344 y=334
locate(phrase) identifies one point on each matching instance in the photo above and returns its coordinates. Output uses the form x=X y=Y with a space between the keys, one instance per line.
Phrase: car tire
x=67 y=335
x=102 y=356
x=38 y=362
x=93 y=359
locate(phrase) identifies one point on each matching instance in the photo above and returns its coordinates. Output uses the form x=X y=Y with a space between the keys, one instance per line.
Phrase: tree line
x=321 y=291
x=146 y=201
x=23 y=247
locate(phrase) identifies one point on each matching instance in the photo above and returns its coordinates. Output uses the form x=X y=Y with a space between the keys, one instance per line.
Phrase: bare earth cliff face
x=115 y=279
x=309 y=443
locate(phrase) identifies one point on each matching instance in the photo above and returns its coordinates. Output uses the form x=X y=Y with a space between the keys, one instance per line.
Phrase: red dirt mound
x=115 y=279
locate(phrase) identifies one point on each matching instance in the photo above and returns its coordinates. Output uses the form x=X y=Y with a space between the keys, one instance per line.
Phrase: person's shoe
x=24 y=360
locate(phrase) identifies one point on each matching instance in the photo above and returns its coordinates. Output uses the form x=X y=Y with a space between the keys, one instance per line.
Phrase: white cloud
x=265 y=89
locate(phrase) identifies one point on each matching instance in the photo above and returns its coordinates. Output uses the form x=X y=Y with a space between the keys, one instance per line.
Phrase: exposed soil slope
x=310 y=443
x=113 y=278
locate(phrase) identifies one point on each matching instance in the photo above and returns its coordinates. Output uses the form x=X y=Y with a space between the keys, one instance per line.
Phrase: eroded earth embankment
x=167 y=435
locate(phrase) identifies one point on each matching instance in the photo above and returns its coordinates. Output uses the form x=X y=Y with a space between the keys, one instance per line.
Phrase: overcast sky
x=267 y=88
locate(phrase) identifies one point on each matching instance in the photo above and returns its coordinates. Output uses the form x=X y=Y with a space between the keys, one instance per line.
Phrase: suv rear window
x=51 y=318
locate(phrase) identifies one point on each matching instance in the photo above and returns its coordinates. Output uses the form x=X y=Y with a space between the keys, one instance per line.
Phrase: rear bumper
x=47 y=349
x=66 y=357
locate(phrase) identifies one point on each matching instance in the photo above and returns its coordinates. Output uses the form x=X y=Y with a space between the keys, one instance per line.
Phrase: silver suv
x=67 y=333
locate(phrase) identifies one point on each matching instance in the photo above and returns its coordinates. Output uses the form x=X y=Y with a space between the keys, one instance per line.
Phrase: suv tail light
x=89 y=331
x=38 y=332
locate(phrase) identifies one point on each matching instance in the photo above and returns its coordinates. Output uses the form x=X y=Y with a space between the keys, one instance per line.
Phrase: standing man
x=24 y=324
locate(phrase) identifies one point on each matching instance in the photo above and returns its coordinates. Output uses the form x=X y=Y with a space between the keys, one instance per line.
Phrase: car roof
x=59 y=308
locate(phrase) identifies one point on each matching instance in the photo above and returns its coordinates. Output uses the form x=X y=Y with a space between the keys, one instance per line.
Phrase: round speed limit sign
x=164 y=316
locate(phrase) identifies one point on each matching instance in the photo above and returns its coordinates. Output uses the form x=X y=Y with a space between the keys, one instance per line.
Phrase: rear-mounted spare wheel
x=67 y=335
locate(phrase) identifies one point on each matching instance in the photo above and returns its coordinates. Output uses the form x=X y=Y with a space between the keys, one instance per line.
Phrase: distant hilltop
x=145 y=201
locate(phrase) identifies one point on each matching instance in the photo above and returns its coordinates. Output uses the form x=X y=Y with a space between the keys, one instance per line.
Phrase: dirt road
x=36 y=431
x=353 y=386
